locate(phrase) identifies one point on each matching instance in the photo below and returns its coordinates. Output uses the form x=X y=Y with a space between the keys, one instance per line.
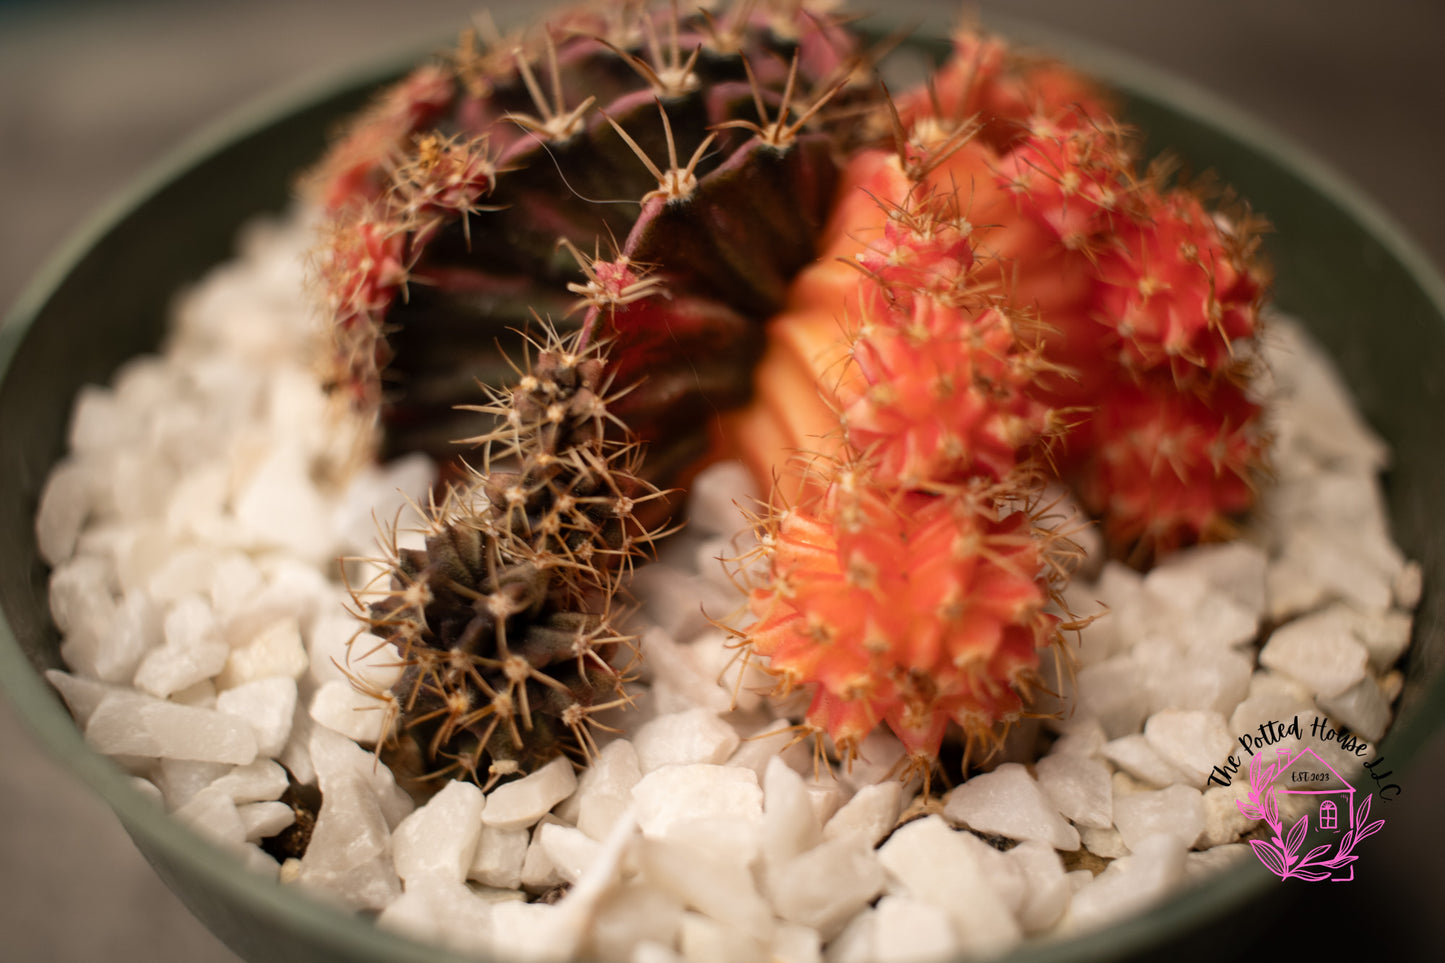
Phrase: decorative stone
x=1128 y=884
x=517 y=804
x=1009 y=803
x=871 y=814
x=694 y=736
x=823 y=887
x=1079 y=786
x=136 y=725
x=1192 y=741
x=349 y=855
x=909 y=931
x=604 y=791
x=439 y=840
x=1319 y=650
x=499 y=856
x=1176 y=812
x=268 y=706
x=933 y=864
x=674 y=795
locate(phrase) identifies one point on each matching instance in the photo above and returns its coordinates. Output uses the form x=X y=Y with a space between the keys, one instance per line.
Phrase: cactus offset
x=504 y=622
x=912 y=609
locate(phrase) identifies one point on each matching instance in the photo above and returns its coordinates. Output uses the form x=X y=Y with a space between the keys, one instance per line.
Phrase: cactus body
x=504 y=622
x=680 y=143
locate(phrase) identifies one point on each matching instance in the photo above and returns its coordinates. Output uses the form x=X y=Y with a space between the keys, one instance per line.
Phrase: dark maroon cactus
x=687 y=144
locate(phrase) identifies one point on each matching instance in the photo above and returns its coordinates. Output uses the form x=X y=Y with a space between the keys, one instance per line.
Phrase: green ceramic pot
x=1368 y=294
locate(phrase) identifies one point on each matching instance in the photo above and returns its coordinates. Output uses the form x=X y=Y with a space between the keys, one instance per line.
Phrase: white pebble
x=1046 y=889
x=714 y=497
x=1319 y=650
x=909 y=931
x=1010 y=803
x=1192 y=741
x=1079 y=786
x=1113 y=692
x=214 y=816
x=263 y=819
x=825 y=886
x=1129 y=883
x=280 y=507
x=268 y=706
x=110 y=649
x=704 y=940
x=1223 y=822
x=81 y=587
x=1138 y=757
x=1362 y=708
x=336 y=757
x=933 y=863
x=275 y=651
x=136 y=725
x=635 y=914
x=434 y=909
x=520 y=803
x=871 y=814
x=694 y=736
x=65 y=502
x=1385 y=634
x=1175 y=811
x=260 y=781
x=676 y=668
x=720 y=889
x=179 y=780
x=570 y=851
x=439 y=840
x=81 y=694
x=604 y=791
x=789 y=824
x=674 y=795
x=360 y=716
x=350 y=853
x=499 y=856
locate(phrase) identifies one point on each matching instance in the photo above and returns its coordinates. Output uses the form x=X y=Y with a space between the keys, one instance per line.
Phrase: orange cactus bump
x=904 y=608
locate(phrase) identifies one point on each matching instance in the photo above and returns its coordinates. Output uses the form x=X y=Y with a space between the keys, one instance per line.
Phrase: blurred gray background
x=93 y=93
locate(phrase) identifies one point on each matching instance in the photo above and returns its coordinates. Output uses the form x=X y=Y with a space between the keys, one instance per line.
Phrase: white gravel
x=193 y=531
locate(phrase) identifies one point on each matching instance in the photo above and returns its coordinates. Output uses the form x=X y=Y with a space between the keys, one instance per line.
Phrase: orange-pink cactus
x=903 y=608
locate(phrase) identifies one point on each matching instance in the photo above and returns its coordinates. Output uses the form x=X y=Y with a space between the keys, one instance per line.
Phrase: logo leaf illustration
x=1296 y=836
x=1269 y=856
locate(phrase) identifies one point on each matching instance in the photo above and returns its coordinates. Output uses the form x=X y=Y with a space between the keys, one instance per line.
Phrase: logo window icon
x=1329 y=816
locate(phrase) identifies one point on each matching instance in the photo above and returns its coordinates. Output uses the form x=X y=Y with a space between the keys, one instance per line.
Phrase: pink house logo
x=1320 y=844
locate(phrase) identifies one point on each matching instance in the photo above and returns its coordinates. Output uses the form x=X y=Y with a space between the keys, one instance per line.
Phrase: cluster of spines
x=504 y=622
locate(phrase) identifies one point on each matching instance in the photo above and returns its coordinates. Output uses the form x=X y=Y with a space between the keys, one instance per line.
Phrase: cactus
x=1006 y=299
x=691 y=149
x=505 y=623
x=906 y=608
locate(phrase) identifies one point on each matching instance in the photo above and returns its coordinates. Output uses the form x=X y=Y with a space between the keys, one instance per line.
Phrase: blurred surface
x=93 y=93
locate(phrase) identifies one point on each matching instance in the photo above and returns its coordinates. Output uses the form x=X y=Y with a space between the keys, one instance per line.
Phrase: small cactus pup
x=925 y=611
x=505 y=623
x=670 y=166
